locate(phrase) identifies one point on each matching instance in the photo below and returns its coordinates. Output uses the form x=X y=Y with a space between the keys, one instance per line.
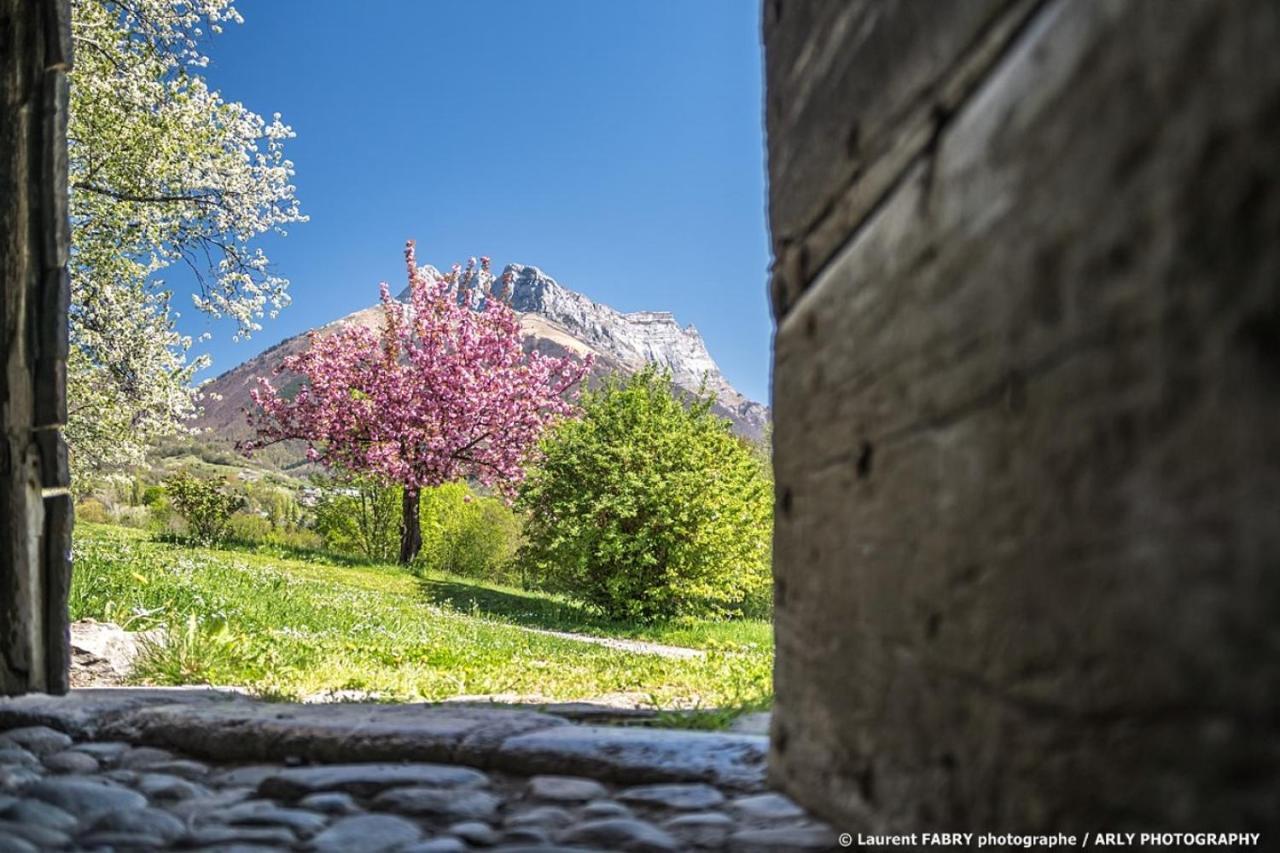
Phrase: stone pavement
x=123 y=770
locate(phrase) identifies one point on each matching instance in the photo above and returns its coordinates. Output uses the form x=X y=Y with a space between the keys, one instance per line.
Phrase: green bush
x=649 y=507
x=466 y=534
x=360 y=515
x=93 y=511
x=206 y=505
x=247 y=529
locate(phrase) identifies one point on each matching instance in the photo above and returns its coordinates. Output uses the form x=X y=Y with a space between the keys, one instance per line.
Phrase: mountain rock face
x=555 y=320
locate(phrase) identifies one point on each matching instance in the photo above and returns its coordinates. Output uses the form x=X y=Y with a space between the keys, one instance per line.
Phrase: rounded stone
x=779 y=839
x=367 y=833
x=330 y=803
x=163 y=787
x=17 y=778
x=14 y=844
x=690 y=797
x=250 y=775
x=532 y=835
x=38 y=812
x=267 y=813
x=475 y=832
x=145 y=821
x=443 y=844
x=701 y=829
x=447 y=803
x=38 y=740
x=770 y=807
x=548 y=817
x=565 y=788
x=84 y=798
x=13 y=755
x=70 y=761
x=110 y=840
x=43 y=837
x=621 y=834
x=140 y=757
x=107 y=752
x=365 y=780
x=265 y=836
x=183 y=768
x=599 y=809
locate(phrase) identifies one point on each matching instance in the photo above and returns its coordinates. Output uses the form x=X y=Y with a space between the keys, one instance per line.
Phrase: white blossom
x=163 y=170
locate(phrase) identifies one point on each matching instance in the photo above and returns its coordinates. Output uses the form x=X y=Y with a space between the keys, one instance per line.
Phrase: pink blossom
x=443 y=390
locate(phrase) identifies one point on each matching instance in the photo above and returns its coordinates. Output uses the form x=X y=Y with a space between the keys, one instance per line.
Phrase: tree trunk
x=410 y=527
x=35 y=505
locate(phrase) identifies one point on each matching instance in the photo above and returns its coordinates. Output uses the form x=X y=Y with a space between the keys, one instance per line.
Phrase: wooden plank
x=35 y=516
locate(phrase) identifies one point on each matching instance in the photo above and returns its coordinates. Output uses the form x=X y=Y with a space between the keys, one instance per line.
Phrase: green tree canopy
x=648 y=506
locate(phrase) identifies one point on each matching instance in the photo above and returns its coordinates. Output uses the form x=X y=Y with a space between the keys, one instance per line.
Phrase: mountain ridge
x=554 y=320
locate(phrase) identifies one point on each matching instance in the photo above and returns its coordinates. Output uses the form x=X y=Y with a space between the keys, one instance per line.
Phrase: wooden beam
x=35 y=508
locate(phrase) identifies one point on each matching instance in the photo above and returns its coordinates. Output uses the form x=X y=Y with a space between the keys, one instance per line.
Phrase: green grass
x=290 y=624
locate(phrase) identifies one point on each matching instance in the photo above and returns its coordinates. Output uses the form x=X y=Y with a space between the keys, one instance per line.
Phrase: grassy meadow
x=292 y=624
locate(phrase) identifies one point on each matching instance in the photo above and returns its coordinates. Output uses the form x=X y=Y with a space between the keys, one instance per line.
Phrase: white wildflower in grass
x=163 y=171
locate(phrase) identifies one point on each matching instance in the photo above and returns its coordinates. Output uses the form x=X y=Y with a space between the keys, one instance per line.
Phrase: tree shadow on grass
x=529 y=610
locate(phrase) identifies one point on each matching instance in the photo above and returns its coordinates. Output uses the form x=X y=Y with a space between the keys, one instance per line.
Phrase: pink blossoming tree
x=443 y=390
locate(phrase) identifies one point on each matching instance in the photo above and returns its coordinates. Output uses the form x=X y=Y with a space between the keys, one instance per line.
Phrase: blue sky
x=616 y=145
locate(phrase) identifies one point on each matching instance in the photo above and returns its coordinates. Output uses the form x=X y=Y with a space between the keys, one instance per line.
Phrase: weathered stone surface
x=783 y=839
x=84 y=798
x=106 y=752
x=548 y=817
x=621 y=834
x=366 y=779
x=145 y=821
x=16 y=756
x=102 y=653
x=767 y=807
x=688 y=797
x=526 y=835
x=702 y=829
x=231 y=731
x=1027 y=442
x=249 y=775
x=370 y=833
x=143 y=757
x=16 y=778
x=605 y=808
x=445 y=803
x=70 y=761
x=444 y=844
x=40 y=813
x=565 y=788
x=84 y=712
x=123 y=841
x=14 y=844
x=267 y=813
x=38 y=740
x=475 y=832
x=330 y=803
x=43 y=837
x=165 y=788
x=639 y=755
x=263 y=836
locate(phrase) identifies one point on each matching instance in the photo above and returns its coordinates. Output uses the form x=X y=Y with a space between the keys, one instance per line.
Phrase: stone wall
x=35 y=507
x=1027 y=397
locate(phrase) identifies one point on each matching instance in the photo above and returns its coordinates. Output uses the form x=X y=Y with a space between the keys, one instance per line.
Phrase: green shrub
x=206 y=505
x=648 y=507
x=248 y=529
x=93 y=511
x=466 y=534
x=360 y=515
